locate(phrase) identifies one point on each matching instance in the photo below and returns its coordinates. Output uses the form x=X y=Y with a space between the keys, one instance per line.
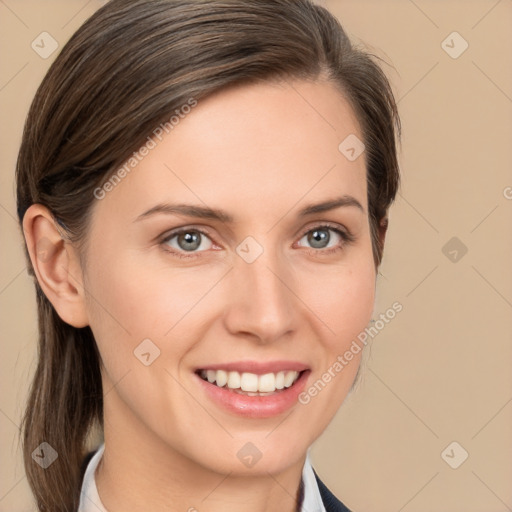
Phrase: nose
x=261 y=303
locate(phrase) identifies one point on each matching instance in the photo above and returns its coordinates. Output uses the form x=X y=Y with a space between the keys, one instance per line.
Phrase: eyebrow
x=204 y=212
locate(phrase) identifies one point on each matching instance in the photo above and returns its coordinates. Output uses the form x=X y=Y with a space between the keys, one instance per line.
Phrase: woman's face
x=258 y=281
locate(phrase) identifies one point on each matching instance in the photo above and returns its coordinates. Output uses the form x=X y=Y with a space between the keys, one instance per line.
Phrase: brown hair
x=123 y=73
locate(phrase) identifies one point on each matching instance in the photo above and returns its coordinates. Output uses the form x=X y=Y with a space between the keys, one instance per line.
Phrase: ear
x=56 y=265
x=382 y=230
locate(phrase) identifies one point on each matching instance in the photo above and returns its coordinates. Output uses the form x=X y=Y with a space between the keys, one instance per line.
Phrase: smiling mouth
x=251 y=384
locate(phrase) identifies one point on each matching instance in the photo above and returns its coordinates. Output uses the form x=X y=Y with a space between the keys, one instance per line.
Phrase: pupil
x=319 y=238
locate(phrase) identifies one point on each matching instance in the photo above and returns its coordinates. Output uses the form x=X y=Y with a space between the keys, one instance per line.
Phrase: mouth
x=251 y=384
x=253 y=390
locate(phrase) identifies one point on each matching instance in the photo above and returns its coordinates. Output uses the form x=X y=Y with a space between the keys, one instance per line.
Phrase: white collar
x=90 y=500
x=89 y=497
x=312 y=498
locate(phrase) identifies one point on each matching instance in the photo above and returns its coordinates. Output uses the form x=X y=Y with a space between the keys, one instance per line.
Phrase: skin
x=261 y=153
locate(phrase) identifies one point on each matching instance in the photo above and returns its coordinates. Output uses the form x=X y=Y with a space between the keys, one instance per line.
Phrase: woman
x=203 y=188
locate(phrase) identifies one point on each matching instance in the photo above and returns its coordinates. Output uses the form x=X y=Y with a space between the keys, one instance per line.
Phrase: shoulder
x=331 y=503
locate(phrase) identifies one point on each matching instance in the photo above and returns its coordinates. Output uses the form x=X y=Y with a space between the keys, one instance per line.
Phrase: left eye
x=320 y=237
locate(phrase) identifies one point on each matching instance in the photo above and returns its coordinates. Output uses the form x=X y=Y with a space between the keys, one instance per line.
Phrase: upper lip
x=257 y=367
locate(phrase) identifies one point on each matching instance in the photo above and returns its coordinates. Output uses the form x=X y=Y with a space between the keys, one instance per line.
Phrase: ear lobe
x=56 y=265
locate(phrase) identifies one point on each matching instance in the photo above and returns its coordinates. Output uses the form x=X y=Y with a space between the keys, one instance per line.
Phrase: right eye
x=187 y=240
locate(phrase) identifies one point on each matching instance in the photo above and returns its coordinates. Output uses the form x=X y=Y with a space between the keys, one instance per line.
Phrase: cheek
x=343 y=300
x=135 y=300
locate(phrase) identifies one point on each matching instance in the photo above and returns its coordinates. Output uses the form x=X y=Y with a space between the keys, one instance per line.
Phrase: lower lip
x=255 y=406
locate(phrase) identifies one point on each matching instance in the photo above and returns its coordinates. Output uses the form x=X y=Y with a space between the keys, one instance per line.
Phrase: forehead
x=261 y=148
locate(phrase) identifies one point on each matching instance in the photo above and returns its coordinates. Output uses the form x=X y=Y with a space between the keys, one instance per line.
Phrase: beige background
x=441 y=370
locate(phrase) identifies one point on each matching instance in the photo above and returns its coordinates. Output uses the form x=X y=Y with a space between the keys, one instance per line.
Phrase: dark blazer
x=331 y=503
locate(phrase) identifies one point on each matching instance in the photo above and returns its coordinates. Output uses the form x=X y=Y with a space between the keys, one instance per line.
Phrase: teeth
x=289 y=378
x=234 y=380
x=221 y=378
x=280 y=380
x=266 y=383
x=251 y=383
x=248 y=382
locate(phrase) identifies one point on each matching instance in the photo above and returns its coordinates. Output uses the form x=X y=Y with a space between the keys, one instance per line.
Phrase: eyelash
x=346 y=237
